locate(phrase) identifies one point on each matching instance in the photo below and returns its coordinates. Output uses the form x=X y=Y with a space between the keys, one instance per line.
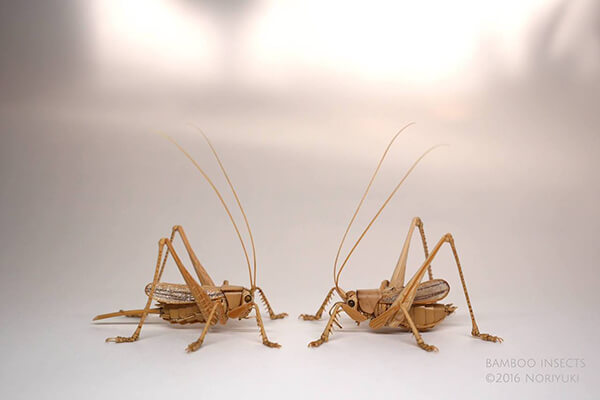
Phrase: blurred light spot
x=440 y=47
x=418 y=44
x=151 y=38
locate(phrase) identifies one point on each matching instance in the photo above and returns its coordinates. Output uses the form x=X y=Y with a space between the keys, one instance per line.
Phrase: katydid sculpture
x=202 y=302
x=413 y=305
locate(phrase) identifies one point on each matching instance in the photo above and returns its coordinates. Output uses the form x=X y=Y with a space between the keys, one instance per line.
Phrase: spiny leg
x=475 y=331
x=157 y=274
x=425 y=249
x=204 y=277
x=407 y=296
x=272 y=314
x=261 y=326
x=308 y=317
x=397 y=279
x=196 y=345
x=203 y=301
x=415 y=331
x=139 y=313
x=329 y=327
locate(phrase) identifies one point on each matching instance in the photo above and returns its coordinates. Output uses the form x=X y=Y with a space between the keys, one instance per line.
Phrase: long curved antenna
x=360 y=203
x=337 y=277
x=212 y=185
x=237 y=199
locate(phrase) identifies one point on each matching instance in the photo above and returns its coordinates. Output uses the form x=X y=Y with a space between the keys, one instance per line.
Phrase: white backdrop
x=300 y=120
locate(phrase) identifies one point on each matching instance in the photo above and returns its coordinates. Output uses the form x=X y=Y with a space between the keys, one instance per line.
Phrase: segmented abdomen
x=181 y=313
x=428 y=316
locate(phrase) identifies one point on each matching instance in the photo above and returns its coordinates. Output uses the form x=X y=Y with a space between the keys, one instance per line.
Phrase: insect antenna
x=385 y=203
x=360 y=203
x=237 y=199
x=212 y=185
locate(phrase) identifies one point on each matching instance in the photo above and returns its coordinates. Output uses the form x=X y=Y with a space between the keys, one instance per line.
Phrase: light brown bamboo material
x=203 y=302
x=414 y=306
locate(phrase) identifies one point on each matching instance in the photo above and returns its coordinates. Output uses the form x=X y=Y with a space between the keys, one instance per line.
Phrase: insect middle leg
x=329 y=327
x=319 y=313
x=415 y=331
x=196 y=345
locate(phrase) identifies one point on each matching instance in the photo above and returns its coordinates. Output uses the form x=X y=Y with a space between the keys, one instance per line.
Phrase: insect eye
x=351 y=303
x=248 y=298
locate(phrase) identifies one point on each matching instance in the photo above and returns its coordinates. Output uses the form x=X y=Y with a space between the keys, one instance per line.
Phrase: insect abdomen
x=181 y=313
x=428 y=316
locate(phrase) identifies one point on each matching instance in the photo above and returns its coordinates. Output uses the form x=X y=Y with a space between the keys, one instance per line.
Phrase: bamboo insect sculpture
x=415 y=305
x=202 y=302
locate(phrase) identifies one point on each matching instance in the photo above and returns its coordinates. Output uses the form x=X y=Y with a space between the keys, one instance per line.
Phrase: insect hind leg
x=160 y=266
x=475 y=329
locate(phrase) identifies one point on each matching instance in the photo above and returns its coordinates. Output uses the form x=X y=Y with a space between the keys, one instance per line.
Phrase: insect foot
x=308 y=317
x=427 y=347
x=271 y=344
x=278 y=316
x=450 y=308
x=121 y=339
x=317 y=343
x=489 y=338
x=194 y=346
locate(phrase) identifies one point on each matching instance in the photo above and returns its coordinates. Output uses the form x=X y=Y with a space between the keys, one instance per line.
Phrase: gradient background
x=300 y=99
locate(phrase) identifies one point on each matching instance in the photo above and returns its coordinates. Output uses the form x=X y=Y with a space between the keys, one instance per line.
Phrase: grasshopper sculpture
x=413 y=305
x=202 y=302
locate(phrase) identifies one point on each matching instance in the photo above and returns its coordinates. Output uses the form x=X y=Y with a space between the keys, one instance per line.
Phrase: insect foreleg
x=308 y=317
x=261 y=326
x=329 y=327
x=272 y=314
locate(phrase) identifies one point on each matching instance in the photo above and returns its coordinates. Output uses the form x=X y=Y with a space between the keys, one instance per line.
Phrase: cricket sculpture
x=413 y=305
x=203 y=302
